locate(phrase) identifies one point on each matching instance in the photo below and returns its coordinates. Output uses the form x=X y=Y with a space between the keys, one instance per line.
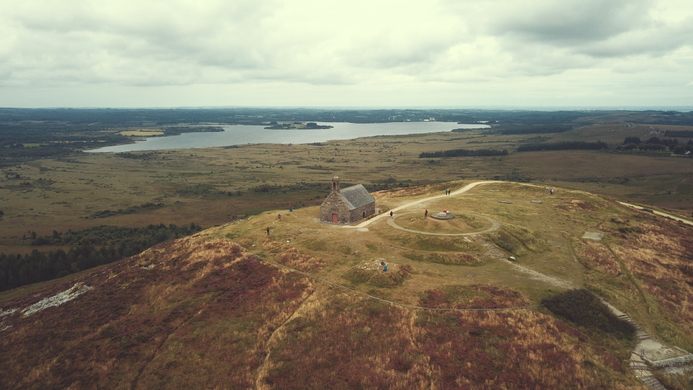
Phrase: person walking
x=426 y=213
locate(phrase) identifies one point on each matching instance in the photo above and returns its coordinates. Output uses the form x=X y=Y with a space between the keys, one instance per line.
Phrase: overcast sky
x=447 y=53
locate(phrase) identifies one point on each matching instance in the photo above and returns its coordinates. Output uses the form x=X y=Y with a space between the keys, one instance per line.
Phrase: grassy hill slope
x=308 y=306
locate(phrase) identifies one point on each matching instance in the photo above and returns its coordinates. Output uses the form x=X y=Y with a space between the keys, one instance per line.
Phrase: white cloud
x=333 y=52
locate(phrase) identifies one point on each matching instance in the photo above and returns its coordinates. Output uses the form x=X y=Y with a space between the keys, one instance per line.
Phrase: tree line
x=464 y=153
x=537 y=128
x=656 y=144
x=87 y=248
x=566 y=145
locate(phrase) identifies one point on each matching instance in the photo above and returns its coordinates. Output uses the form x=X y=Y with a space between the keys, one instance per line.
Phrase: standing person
x=426 y=213
x=268 y=231
x=391 y=213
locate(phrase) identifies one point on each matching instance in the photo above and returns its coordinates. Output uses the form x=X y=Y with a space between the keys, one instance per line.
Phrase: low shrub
x=583 y=308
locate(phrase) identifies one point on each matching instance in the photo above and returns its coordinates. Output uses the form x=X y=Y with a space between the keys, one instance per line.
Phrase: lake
x=247 y=134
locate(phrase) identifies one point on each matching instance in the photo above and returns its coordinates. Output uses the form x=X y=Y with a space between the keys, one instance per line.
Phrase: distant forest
x=28 y=134
x=633 y=144
x=535 y=128
x=464 y=153
x=87 y=248
x=567 y=145
x=655 y=144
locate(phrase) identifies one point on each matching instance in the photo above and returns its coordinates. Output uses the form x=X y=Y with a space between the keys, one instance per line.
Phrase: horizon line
x=682 y=108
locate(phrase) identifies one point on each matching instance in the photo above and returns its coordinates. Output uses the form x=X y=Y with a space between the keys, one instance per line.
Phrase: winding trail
x=659 y=213
x=647 y=354
x=472 y=185
x=420 y=201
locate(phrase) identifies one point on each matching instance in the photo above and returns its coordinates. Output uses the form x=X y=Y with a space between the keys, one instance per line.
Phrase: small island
x=297 y=126
x=166 y=131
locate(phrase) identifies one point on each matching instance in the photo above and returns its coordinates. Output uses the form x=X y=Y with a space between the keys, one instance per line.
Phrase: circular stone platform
x=443 y=215
x=490 y=225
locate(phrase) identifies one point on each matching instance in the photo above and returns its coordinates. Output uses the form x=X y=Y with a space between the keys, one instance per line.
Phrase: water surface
x=247 y=134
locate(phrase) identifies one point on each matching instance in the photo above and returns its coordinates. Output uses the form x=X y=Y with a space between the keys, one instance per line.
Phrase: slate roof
x=356 y=196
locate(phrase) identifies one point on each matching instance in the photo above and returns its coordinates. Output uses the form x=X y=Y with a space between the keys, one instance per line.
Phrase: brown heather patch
x=224 y=345
x=665 y=282
x=407 y=191
x=576 y=205
x=660 y=256
x=372 y=274
x=192 y=318
x=659 y=237
x=473 y=296
x=350 y=342
x=518 y=350
x=291 y=257
x=188 y=251
x=455 y=258
x=175 y=317
x=596 y=256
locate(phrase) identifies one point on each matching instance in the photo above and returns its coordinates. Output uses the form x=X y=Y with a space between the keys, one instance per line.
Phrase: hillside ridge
x=264 y=305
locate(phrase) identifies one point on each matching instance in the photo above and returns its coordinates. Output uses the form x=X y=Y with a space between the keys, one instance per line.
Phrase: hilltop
x=308 y=306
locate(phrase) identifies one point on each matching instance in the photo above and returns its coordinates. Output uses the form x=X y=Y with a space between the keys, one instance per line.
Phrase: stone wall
x=357 y=214
x=334 y=204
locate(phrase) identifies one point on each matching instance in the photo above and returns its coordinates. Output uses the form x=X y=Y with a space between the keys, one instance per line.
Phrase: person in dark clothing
x=426 y=213
x=391 y=213
x=268 y=231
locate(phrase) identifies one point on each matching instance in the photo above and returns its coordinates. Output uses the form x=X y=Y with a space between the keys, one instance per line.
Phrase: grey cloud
x=655 y=40
x=555 y=38
x=567 y=22
x=359 y=46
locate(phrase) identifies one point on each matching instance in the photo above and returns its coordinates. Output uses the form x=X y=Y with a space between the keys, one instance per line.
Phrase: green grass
x=242 y=303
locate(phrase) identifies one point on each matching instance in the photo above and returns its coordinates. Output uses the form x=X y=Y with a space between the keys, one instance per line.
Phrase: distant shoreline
x=294 y=133
x=297 y=126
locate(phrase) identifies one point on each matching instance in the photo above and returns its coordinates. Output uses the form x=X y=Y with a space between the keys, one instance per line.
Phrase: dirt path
x=648 y=353
x=659 y=213
x=280 y=331
x=478 y=183
x=420 y=201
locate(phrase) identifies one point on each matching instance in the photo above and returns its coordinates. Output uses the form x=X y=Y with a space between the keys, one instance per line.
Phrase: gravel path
x=418 y=202
x=647 y=354
x=659 y=213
